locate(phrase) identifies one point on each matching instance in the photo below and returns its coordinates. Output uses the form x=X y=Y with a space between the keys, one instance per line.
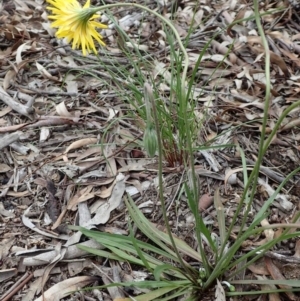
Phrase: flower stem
x=163 y=19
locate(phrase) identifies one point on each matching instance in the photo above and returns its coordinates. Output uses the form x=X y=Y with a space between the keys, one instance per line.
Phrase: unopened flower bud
x=150 y=140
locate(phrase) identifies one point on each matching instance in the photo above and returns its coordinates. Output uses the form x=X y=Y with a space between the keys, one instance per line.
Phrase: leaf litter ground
x=69 y=152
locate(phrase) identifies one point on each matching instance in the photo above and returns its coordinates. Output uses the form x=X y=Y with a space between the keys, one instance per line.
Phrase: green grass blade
x=157 y=236
x=221 y=217
x=139 y=251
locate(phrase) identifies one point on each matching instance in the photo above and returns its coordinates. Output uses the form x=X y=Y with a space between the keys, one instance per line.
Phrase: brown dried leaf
x=276 y=275
x=205 y=201
x=45 y=73
x=9 y=77
x=259 y=268
x=81 y=143
x=81 y=196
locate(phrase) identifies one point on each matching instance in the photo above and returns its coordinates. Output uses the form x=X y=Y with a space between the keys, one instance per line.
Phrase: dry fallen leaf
x=219 y=293
x=65 y=288
x=277 y=275
x=205 y=201
x=81 y=143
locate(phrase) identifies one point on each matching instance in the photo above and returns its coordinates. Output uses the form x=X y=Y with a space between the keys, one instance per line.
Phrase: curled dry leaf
x=62 y=110
x=9 y=77
x=81 y=143
x=45 y=73
x=268 y=232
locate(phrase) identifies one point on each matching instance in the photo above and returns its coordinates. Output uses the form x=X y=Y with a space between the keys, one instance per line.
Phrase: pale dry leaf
x=60 y=253
x=138 y=187
x=112 y=113
x=280 y=198
x=102 y=214
x=161 y=69
x=76 y=267
x=34 y=288
x=5 y=246
x=66 y=287
x=28 y=223
x=83 y=213
x=44 y=134
x=92 y=174
x=47 y=26
x=111 y=165
x=95 y=150
x=45 y=73
x=106 y=192
x=72 y=85
x=23 y=47
x=40 y=272
x=220 y=292
x=231 y=172
x=81 y=143
x=297 y=249
x=62 y=110
x=268 y=232
x=9 y=77
x=5 y=111
x=81 y=196
x=294 y=58
x=4 y=212
x=19 y=194
x=47 y=257
x=7 y=274
x=4 y=168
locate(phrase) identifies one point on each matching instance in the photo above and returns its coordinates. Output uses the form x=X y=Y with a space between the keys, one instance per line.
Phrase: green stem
x=183 y=95
x=163 y=19
x=266 y=109
x=183 y=99
x=255 y=173
x=189 y=273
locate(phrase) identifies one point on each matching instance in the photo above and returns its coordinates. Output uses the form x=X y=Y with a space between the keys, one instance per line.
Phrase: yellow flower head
x=76 y=23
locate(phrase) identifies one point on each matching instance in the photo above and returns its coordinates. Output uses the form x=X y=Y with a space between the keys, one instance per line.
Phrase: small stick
x=9 y=139
x=16 y=106
x=17 y=286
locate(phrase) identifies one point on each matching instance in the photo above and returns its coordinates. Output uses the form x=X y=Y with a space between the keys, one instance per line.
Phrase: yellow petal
x=87 y=4
x=67 y=16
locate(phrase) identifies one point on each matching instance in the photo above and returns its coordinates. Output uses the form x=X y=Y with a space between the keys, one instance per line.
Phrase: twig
x=16 y=106
x=17 y=286
x=42 y=121
x=9 y=139
x=43 y=92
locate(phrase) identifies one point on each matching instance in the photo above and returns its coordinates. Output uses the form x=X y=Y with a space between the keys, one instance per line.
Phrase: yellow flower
x=76 y=23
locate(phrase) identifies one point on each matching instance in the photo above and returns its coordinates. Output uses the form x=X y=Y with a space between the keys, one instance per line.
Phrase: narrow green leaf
x=166 y=268
x=220 y=216
x=153 y=294
x=139 y=251
x=158 y=236
x=288 y=282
